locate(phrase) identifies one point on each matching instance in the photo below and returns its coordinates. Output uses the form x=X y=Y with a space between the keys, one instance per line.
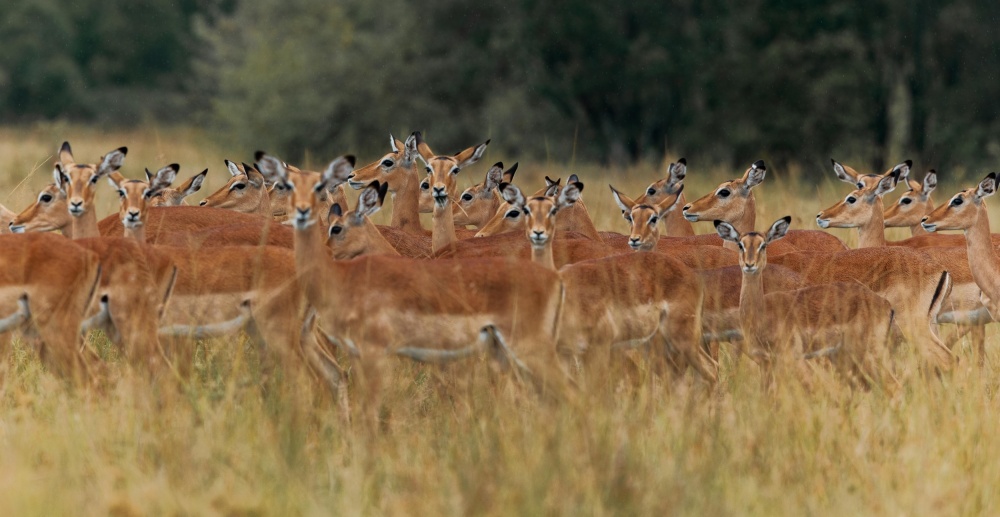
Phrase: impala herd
x=279 y=254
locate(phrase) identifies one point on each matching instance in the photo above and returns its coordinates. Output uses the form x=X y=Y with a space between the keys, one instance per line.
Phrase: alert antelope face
x=855 y=210
x=666 y=188
x=244 y=192
x=964 y=209
x=508 y=218
x=729 y=200
x=849 y=175
x=443 y=170
x=281 y=195
x=396 y=169
x=478 y=203
x=644 y=218
x=306 y=188
x=174 y=196
x=914 y=204
x=346 y=235
x=135 y=194
x=540 y=211
x=752 y=245
x=79 y=181
x=48 y=213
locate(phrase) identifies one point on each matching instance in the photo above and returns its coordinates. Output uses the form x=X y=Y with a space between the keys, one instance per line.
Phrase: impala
x=352 y=234
x=734 y=202
x=244 y=192
x=670 y=187
x=480 y=202
x=576 y=218
x=844 y=321
x=443 y=171
x=913 y=205
x=281 y=197
x=398 y=170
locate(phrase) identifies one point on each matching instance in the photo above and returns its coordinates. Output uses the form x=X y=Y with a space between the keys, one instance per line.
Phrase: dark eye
x=851 y=200
x=121 y=193
x=334 y=230
x=425 y=186
x=860 y=185
x=957 y=201
x=651 y=191
x=93 y=179
x=388 y=163
x=455 y=170
x=740 y=244
x=429 y=169
x=45 y=198
x=905 y=201
x=512 y=214
x=653 y=220
x=239 y=186
x=279 y=186
x=466 y=197
x=723 y=193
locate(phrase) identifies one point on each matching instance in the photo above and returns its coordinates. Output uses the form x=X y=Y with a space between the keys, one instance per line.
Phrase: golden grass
x=235 y=442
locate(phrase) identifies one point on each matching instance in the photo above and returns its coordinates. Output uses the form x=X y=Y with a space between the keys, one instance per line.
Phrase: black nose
x=924 y=219
x=350 y=176
x=687 y=206
x=203 y=203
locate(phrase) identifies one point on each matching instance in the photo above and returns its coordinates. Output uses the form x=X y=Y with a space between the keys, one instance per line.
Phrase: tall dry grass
x=234 y=441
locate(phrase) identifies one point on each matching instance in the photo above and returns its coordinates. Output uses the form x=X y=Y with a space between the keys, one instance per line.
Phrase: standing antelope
x=843 y=320
x=621 y=299
x=398 y=170
x=281 y=197
x=361 y=306
x=671 y=187
x=734 y=202
x=575 y=218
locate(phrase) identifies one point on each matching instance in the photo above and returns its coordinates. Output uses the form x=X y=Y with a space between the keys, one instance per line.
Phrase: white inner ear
x=392 y=143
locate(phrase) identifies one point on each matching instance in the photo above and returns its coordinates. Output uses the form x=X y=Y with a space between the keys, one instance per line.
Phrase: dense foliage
x=787 y=80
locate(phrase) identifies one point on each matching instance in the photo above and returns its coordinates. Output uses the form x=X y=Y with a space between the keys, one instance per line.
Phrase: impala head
x=79 y=181
x=753 y=246
x=508 y=218
x=135 y=194
x=849 y=175
x=306 y=188
x=964 y=209
x=666 y=188
x=244 y=192
x=443 y=170
x=644 y=218
x=540 y=211
x=48 y=212
x=394 y=169
x=174 y=196
x=856 y=209
x=914 y=204
x=729 y=200
x=478 y=203
x=345 y=235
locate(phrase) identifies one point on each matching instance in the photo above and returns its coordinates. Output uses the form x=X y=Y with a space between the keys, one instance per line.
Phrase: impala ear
x=471 y=155
x=270 y=166
x=410 y=151
x=902 y=170
x=115 y=179
x=60 y=178
x=163 y=178
x=66 y=154
x=779 y=229
x=845 y=174
x=112 y=161
x=622 y=201
x=194 y=184
x=370 y=200
x=234 y=170
x=754 y=175
x=149 y=175
x=727 y=231
x=511 y=194
x=886 y=185
x=569 y=195
x=494 y=177
x=930 y=183
x=677 y=171
x=423 y=149
x=669 y=204
x=988 y=186
x=336 y=210
x=551 y=186
x=393 y=143
x=508 y=175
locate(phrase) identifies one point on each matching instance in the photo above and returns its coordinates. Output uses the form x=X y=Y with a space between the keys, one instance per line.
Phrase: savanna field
x=231 y=440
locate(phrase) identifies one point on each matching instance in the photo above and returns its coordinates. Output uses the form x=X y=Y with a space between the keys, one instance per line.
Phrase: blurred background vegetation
x=721 y=81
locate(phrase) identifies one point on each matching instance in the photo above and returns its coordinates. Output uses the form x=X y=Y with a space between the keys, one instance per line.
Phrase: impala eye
x=466 y=197
x=512 y=214
x=240 y=186
x=723 y=193
x=860 y=185
x=957 y=201
x=905 y=201
x=336 y=229
x=429 y=171
x=653 y=220
x=425 y=186
x=93 y=179
x=388 y=163
x=121 y=194
x=455 y=170
x=851 y=200
x=651 y=191
x=45 y=198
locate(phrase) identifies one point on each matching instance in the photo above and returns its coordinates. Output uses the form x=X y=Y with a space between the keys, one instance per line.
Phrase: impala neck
x=674 y=223
x=406 y=205
x=85 y=226
x=542 y=255
x=752 y=308
x=871 y=234
x=917 y=230
x=309 y=257
x=138 y=233
x=581 y=220
x=983 y=260
x=743 y=220
x=444 y=228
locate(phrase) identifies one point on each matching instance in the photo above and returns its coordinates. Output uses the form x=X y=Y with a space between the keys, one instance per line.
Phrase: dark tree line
x=717 y=80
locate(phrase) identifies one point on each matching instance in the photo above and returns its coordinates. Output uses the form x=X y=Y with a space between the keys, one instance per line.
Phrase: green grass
x=236 y=441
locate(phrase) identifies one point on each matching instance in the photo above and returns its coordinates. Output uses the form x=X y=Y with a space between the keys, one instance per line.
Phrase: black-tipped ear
x=573 y=178
x=759 y=164
x=248 y=168
x=909 y=163
x=175 y=167
x=259 y=155
x=336 y=210
x=683 y=161
x=383 y=189
x=65 y=148
x=509 y=173
x=123 y=150
x=787 y=219
x=351 y=159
